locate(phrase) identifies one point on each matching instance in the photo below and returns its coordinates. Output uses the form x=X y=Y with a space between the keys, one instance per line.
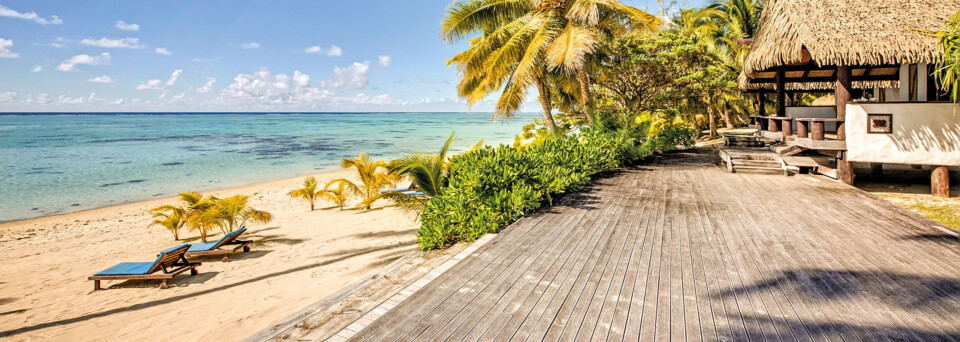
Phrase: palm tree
x=308 y=191
x=373 y=177
x=523 y=41
x=234 y=211
x=338 y=194
x=195 y=205
x=948 y=68
x=173 y=218
x=429 y=173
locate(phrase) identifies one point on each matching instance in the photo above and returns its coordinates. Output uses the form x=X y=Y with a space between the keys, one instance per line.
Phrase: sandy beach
x=299 y=258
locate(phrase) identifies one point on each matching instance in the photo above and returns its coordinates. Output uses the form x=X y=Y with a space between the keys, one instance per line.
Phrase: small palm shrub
x=308 y=192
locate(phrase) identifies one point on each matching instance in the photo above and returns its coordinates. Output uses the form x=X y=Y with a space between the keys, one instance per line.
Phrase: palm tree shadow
x=174 y=299
x=757 y=328
x=925 y=293
x=944 y=238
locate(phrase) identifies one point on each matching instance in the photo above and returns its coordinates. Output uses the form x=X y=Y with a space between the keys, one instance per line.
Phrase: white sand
x=299 y=258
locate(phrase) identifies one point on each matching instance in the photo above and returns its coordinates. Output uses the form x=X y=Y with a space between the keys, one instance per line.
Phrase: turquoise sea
x=59 y=163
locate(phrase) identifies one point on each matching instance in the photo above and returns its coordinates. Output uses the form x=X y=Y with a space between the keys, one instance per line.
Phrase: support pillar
x=844 y=166
x=844 y=169
x=781 y=93
x=842 y=96
x=940 y=181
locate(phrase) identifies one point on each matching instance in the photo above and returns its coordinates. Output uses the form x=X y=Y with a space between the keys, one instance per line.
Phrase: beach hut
x=875 y=58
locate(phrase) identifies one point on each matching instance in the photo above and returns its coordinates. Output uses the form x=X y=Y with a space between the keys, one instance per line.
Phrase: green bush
x=491 y=188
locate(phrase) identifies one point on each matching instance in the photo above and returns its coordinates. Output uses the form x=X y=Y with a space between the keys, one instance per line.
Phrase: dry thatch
x=848 y=32
x=746 y=85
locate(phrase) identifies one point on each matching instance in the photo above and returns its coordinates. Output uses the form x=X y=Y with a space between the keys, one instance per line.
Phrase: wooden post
x=842 y=97
x=844 y=169
x=940 y=181
x=773 y=125
x=817 y=130
x=787 y=127
x=781 y=93
x=802 y=129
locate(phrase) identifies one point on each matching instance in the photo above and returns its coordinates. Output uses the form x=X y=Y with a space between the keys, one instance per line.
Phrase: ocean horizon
x=61 y=162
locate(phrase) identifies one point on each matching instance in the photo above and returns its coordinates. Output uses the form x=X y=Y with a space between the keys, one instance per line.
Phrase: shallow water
x=51 y=164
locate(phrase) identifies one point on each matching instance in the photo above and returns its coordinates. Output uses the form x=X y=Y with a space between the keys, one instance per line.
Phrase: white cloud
x=60 y=42
x=127 y=27
x=63 y=99
x=151 y=84
x=203 y=60
x=42 y=98
x=122 y=43
x=101 y=79
x=9 y=97
x=174 y=76
x=5 y=52
x=332 y=51
x=70 y=64
x=382 y=99
x=268 y=90
x=354 y=76
x=163 y=51
x=385 y=61
x=206 y=88
x=250 y=45
x=36 y=68
x=7 y=12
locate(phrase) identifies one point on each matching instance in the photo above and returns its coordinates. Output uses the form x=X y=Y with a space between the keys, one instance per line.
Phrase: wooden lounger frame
x=245 y=245
x=178 y=264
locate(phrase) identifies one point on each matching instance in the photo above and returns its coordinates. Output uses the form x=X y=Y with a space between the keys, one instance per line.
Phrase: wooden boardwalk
x=680 y=250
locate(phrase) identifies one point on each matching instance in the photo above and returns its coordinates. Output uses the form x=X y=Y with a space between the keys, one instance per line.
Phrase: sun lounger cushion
x=203 y=246
x=127 y=268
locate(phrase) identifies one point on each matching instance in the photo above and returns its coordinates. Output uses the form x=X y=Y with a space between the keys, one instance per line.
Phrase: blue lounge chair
x=400 y=189
x=171 y=262
x=214 y=248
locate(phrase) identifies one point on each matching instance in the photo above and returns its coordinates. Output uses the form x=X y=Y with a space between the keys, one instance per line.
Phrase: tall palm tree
x=948 y=68
x=523 y=41
x=373 y=176
x=308 y=192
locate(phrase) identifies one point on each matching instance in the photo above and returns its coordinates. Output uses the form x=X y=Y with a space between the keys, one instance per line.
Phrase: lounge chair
x=409 y=187
x=214 y=248
x=171 y=262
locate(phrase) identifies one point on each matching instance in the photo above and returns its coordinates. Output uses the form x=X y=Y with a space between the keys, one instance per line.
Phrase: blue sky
x=110 y=55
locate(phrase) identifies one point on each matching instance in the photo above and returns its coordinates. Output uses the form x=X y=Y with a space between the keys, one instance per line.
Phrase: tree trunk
x=311 y=204
x=713 y=122
x=585 y=94
x=545 y=102
x=726 y=117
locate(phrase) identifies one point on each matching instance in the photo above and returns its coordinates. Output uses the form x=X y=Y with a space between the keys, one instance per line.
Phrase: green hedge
x=491 y=188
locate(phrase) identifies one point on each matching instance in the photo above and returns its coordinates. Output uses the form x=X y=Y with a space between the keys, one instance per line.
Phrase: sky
x=241 y=55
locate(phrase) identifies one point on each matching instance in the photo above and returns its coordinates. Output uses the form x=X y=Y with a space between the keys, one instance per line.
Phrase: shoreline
x=233 y=189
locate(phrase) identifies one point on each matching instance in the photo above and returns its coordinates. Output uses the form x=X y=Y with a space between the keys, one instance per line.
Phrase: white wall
x=923 y=133
x=825 y=112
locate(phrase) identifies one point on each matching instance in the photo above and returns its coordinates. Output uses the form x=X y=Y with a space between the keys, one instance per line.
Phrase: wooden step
x=758 y=163
x=757 y=169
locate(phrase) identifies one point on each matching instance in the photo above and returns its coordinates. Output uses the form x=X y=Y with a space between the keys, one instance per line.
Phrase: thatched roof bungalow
x=876 y=57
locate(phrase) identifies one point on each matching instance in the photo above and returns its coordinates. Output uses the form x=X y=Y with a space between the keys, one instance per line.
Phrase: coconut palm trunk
x=545 y=102
x=713 y=121
x=727 y=118
x=585 y=94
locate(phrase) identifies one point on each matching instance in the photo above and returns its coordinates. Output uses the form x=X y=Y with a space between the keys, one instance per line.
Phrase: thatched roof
x=847 y=32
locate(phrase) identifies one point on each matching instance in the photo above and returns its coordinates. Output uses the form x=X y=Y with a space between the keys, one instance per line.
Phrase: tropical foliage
x=205 y=213
x=373 y=176
x=338 y=191
x=308 y=192
x=948 y=68
x=548 y=44
x=490 y=188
